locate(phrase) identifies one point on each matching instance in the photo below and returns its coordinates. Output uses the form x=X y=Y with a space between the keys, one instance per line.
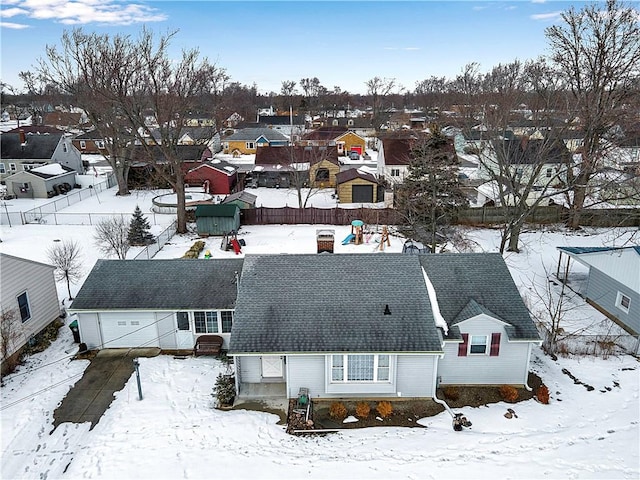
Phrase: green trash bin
x=75 y=330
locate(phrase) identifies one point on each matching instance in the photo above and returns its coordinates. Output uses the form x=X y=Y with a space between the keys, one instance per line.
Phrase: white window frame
x=395 y=172
x=2 y=169
x=250 y=145
x=210 y=318
x=83 y=144
x=99 y=144
x=222 y=323
x=477 y=343
x=549 y=172
x=621 y=299
x=65 y=149
x=342 y=371
x=12 y=167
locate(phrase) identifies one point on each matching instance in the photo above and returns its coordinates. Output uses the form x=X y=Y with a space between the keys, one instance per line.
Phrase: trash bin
x=75 y=330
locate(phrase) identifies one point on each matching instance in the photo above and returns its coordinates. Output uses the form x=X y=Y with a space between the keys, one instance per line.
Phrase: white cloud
x=13 y=26
x=76 y=12
x=12 y=12
x=538 y=1
x=546 y=16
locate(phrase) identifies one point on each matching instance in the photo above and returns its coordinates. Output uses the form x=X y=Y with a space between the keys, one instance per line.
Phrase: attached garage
x=128 y=329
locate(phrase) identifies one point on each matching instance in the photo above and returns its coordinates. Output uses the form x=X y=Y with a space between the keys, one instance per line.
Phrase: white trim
x=620 y=297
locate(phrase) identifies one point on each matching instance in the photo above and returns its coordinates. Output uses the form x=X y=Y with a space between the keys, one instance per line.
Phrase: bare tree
x=112 y=237
x=597 y=51
x=10 y=333
x=379 y=88
x=98 y=71
x=167 y=90
x=66 y=257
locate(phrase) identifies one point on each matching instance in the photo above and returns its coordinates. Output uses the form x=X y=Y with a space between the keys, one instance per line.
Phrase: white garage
x=129 y=329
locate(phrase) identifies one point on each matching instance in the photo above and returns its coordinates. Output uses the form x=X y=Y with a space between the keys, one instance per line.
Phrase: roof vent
x=387 y=311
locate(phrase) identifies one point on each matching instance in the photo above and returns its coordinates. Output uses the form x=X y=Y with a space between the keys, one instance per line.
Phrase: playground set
x=230 y=242
x=360 y=235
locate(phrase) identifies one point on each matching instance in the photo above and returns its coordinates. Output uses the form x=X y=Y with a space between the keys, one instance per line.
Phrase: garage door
x=129 y=329
x=362 y=193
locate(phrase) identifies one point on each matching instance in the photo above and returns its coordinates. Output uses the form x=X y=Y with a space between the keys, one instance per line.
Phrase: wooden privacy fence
x=319 y=216
x=473 y=216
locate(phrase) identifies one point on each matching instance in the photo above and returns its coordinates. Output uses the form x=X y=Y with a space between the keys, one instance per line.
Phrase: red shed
x=217 y=177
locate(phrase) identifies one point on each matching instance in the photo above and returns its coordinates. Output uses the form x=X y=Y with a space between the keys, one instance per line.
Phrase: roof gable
x=459 y=278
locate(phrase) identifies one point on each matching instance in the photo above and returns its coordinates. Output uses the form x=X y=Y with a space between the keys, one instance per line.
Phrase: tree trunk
x=181 y=204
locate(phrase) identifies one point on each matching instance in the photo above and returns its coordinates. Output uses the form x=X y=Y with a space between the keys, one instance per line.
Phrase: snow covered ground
x=176 y=433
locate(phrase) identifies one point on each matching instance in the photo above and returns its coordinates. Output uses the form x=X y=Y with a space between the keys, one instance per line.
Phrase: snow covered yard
x=175 y=432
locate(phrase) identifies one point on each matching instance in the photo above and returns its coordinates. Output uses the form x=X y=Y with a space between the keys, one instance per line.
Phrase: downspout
x=435 y=390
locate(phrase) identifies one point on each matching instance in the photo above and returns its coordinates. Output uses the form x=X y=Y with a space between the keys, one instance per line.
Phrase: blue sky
x=343 y=43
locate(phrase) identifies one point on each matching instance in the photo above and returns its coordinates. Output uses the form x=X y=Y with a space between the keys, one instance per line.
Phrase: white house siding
x=603 y=291
x=18 y=275
x=415 y=374
x=509 y=367
x=306 y=371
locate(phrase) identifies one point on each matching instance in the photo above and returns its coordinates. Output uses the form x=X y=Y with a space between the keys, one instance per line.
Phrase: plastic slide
x=236 y=246
x=347 y=240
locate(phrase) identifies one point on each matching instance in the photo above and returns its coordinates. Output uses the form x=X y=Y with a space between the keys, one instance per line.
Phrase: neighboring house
x=23 y=151
x=65 y=120
x=244 y=200
x=248 y=140
x=335 y=324
x=90 y=143
x=289 y=125
x=318 y=165
x=613 y=284
x=41 y=182
x=394 y=157
x=523 y=157
x=626 y=152
x=357 y=186
x=146 y=159
x=341 y=137
x=28 y=290
x=171 y=315
x=217 y=219
x=361 y=126
x=216 y=176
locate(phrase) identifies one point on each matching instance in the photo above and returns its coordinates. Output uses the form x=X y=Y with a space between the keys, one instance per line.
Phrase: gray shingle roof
x=252 y=134
x=484 y=278
x=172 y=284
x=333 y=303
x=37 y=147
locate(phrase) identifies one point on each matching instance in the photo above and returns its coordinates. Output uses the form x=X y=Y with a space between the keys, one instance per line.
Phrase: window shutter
x=495 y=345
x=462 y=347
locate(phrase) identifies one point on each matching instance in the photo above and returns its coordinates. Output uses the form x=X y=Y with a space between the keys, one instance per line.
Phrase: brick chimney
x=23 y=138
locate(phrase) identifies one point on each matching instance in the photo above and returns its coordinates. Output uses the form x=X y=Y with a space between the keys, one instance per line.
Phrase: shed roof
x=173 y=284
x=354 y=173
x=222 y=210
x=242 y=196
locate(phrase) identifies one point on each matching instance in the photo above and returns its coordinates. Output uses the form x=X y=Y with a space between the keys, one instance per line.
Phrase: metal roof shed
x=217 y=219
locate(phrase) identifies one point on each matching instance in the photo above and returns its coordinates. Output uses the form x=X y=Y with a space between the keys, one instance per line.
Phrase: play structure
x=230 y=242
x=356 y=233
x=325 y=240
x=359 y=234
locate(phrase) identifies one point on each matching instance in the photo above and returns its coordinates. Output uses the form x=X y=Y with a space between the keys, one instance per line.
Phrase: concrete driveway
x=90 y=397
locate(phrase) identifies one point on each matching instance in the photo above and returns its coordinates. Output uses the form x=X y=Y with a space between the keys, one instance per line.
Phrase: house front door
x=272 y=366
